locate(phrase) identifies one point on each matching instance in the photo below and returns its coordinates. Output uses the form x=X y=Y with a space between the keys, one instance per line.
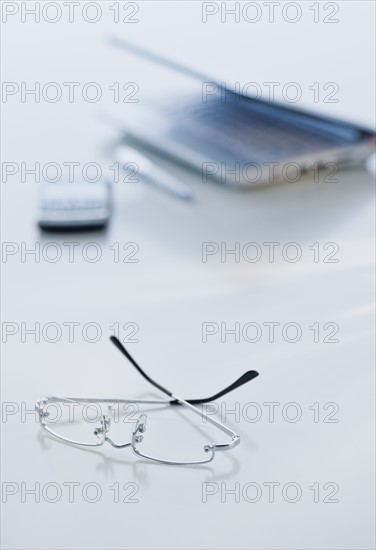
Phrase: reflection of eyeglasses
x=87 y=421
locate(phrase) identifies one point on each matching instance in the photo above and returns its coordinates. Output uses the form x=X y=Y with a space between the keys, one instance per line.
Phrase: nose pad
x=104 y=427
x=107 y=423
x=141 y=424
x=140 y=429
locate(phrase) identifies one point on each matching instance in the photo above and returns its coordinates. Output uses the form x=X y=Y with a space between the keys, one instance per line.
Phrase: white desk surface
x=169 y=293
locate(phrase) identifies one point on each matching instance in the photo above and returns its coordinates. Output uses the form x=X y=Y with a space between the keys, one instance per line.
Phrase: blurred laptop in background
x=237 y=139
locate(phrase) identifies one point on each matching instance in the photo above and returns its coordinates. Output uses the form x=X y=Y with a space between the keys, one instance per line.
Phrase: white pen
x=149 y=171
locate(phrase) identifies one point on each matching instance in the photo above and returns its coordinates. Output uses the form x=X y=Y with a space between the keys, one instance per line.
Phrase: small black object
x=246 y=377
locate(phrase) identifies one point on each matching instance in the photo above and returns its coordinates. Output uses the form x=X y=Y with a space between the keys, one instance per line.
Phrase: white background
x=170 y=292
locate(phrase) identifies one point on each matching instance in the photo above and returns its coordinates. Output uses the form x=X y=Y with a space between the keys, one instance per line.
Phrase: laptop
x=239 y=140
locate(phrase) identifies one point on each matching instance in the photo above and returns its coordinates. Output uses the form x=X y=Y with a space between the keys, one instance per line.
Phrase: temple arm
x=246 y=377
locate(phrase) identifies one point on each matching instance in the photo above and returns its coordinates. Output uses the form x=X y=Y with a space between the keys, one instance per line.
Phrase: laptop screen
x=312 y=57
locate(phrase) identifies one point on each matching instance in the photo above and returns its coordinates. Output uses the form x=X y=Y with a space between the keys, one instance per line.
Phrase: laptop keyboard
x=251 y=132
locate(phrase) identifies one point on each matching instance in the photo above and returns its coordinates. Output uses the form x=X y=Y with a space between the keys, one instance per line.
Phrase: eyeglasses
x=91 y=422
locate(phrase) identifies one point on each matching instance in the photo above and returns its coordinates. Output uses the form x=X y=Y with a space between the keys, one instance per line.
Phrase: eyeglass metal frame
x=140 y=424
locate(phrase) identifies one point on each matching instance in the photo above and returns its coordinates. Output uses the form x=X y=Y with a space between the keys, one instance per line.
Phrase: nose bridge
x=107 y=425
